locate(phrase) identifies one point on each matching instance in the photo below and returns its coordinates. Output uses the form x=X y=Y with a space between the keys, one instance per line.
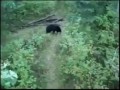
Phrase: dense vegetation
x=87 y=53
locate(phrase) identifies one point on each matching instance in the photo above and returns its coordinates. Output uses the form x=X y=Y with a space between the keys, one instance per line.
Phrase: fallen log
x=49 y=19
x=45 y=21
x=40 y=20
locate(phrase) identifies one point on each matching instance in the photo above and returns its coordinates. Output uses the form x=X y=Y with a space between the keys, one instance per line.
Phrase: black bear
x=53 y=28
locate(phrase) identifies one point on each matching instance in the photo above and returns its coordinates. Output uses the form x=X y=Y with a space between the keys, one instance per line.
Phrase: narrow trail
x=48 y=57
x=51 y=65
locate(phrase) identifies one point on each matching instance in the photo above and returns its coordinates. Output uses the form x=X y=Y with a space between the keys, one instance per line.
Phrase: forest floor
x=47 y=55
x=51 y=65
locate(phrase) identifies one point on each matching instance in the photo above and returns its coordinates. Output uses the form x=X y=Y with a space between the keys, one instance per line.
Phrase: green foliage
x=88 y=49
x=19 y=61
x=9 y=5
x=85 y=70
x=34 y=8
x=20 y=53
x=90 y=56
x=16 y=15
x=8 y=77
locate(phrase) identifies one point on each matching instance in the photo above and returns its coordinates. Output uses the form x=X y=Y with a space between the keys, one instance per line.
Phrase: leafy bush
x=90 y=61
x=16 y=15
x=8 y=77
x=20 y=53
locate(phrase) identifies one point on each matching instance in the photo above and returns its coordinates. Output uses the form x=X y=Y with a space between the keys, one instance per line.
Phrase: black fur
x=53 y=28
